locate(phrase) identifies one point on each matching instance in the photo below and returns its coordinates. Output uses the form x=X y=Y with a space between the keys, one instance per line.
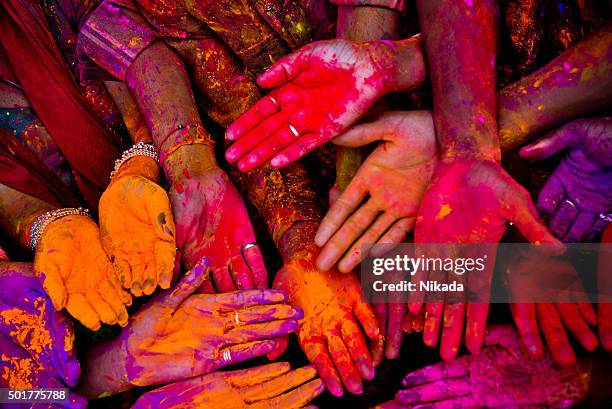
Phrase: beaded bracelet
x=40 y=224
x=140 y=149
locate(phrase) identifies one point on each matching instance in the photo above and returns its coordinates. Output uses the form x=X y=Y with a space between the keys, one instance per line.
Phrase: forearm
x=459 y=42
x=160 y=85
x=575 y=84
x=17 y=213
x=104 y=372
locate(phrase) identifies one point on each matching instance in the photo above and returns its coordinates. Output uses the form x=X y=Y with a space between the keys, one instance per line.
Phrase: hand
x=604 y=281
x=320 y=91
x=470 y=201
x=202 y=333
x=28 y=318
x=393 y=178
x=577 y=198
x=501 y=376
x=334 y=312
x=528 y=278
x=18 y=370
x=267 y=386
x=137 y=232
x=77 y=274
x=212 y=221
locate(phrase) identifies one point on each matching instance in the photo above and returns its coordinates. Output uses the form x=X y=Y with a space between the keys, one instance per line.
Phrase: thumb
x=285 y=69
x=158 y=206
x=501 y=335
x=190 y=282
x=552 y=143
x=361 y=135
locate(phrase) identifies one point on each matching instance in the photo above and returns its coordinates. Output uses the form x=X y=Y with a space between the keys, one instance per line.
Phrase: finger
x=188 y=284
x=82 y=311
x=527 y=325
x=397 y=233
x=377 y=348
x=395 y=335
x=265 y=313
x=550 y=196
x=555 y=336
x=317 y=354
x=433 y=318
x=440 y=371
x=582 y=225
x=361 y=135
x=124 y=295
x=256 y=136
x=357 y=251
x=285 y=69
x=255 y=332
x=573 y=321
x=110 y=295
x=476 y=326
x=102 y=308
x=464 y=402
x=49 y=274
x=306 y=143
x=343 y=362
x=279 y=385
x=149 y=282
x=243 y=352
x=452 y=329
x=367 y=319
x=137 y=264
x=255 y=262
x=296 y=398
x=160 y=214
x=435 y=391
x=256 y=375
x=563 y=218
x=605 y=325
x=352 y=228
x=552 y=143
x=342 y=208
x=223 y=280
x=266 y=150
x=281 y=347
x=391 y=404
x=249 y=298
x=260 y=111
x=165 y=257
x=356 y=345
x=587 y=311
x=124 y=272
x=241 y=275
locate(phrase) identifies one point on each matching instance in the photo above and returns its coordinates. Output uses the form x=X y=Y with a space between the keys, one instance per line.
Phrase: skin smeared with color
x=210 y=217
x=339 y=81
x=28 y=318
x=192 y=331
x=334 y=310
x=580 y=188
x=267 y=386
x=501 y=376
x=136 y=224
x=604 y=307
x=70 y=261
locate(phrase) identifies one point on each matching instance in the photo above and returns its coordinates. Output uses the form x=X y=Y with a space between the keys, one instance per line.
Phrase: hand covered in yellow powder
x=137 y=229
x=77 y=274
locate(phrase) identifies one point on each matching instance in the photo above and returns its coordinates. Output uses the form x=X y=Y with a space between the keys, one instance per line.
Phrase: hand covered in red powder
x=203 y=332
x=319 y=91
x=577 y=198
x=335 y=312
x=77 y=274
x=28 y=318
x=393 y=179
x=19 y=370
x=212 y=221
x=501 y=376
x=469 y=201
x=267 y=386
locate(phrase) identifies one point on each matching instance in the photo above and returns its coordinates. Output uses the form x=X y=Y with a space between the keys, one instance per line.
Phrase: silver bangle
x=40 y=224
x=140 y=149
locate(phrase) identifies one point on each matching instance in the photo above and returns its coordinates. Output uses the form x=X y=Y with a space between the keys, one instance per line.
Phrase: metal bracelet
x=40 y=224
x=140 y=149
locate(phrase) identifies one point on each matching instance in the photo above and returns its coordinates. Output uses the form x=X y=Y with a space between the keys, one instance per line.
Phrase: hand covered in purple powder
x=27 y=317
x=577 y=198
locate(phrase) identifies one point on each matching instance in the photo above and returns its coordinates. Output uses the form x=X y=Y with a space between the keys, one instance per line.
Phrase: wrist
x=143 y=166
x=402 y=63
x=110 y=375
x=189 y=160
x=298 y=241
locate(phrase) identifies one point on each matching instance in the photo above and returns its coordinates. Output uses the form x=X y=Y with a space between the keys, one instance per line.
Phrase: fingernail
x=230 y=154
x=278 y=161
x=410 y=380
x=164 y=281
x=366 y=370
x=136 y=289
x=279 y=296
x=123 y=319
x=297 y=313
x=149 y=286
